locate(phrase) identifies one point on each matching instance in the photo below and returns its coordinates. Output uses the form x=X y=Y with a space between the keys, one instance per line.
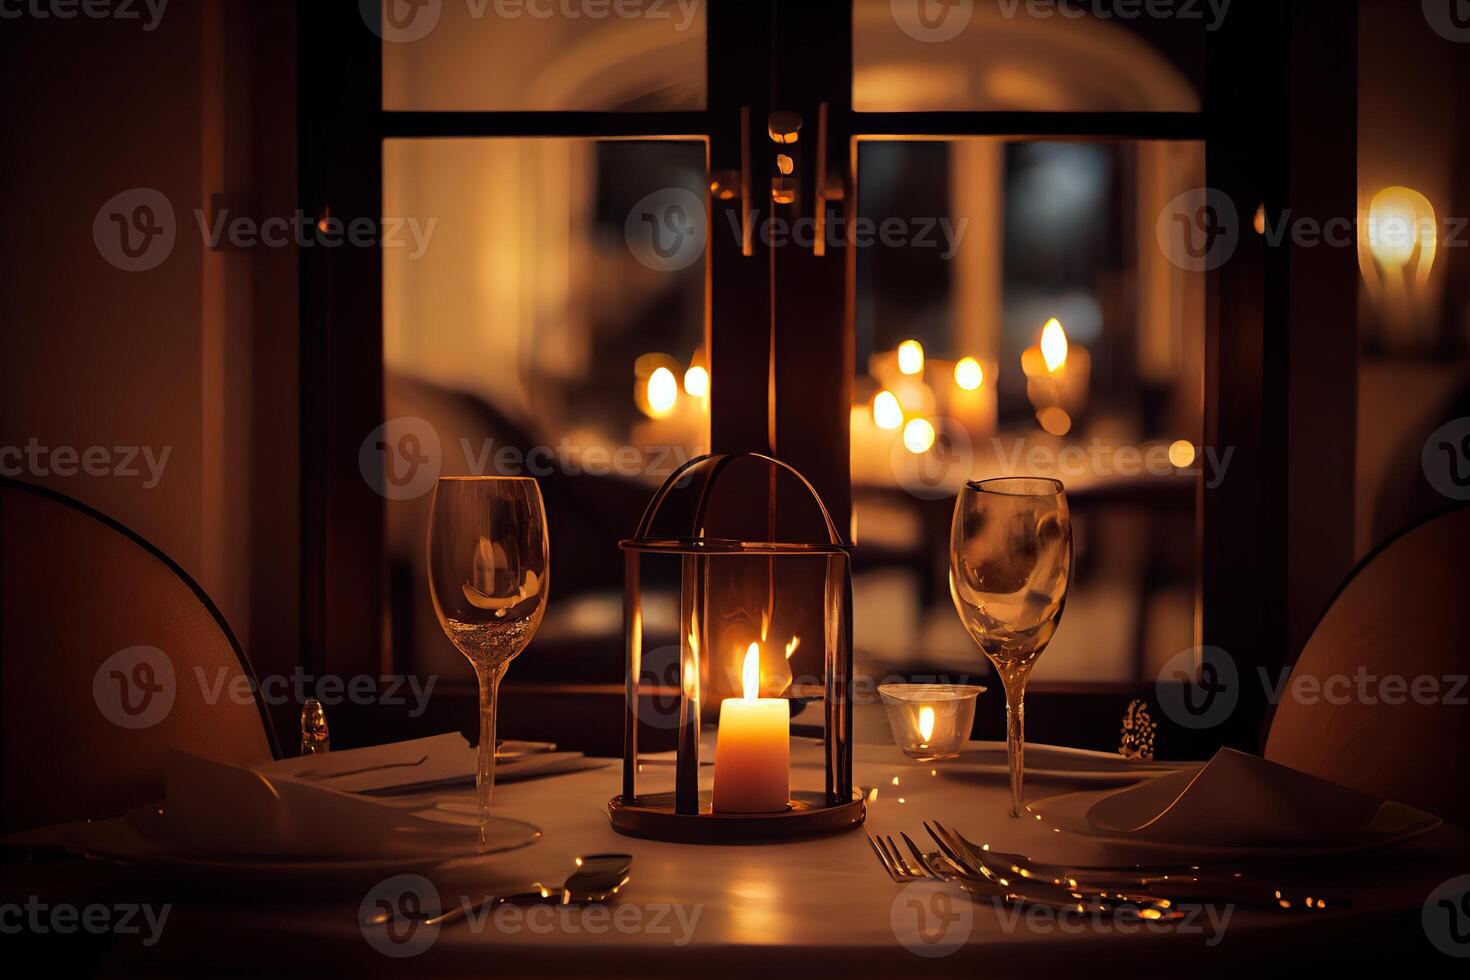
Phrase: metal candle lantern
x=760 y=566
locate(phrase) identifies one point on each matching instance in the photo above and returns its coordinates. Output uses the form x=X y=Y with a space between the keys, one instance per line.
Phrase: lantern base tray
x=652 y=817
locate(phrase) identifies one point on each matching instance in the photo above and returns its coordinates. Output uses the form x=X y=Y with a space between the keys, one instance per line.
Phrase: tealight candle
x=930 y=721
x=753 y=748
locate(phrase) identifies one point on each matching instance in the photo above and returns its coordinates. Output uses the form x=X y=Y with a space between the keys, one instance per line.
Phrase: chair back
x=1379 y=698
x=109 y=654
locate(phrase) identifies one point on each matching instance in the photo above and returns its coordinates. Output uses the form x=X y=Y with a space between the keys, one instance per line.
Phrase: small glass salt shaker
x=315 y=739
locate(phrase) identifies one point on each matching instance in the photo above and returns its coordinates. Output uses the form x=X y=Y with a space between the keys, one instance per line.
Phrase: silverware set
x=955 y=864
x=1155 y=893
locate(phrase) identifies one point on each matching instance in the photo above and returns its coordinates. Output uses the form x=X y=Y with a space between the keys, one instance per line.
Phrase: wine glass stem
x=489 y=678
x=1016 y=739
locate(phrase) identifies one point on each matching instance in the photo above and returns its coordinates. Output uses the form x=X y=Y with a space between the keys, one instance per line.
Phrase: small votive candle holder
x=930 y=721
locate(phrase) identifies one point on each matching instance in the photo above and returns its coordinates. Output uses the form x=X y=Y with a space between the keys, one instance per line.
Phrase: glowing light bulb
x=887 y=412
x=918 y=436
x=1054 y=345
x=926 y=723
x=911 y=357
x=968 y=374
x=663 y=392
x=1401 y=223
x=696 y=382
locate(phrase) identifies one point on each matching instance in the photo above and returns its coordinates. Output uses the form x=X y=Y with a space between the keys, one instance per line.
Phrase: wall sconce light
x=1397 y=249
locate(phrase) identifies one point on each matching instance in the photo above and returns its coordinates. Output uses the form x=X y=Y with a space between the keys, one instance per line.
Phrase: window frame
x=1279 y=109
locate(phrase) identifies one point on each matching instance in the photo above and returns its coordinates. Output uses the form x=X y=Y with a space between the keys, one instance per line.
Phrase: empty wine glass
x=1010 y=560
x=488 y=565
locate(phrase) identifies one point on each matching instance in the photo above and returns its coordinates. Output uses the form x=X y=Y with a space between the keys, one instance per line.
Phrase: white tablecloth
x=821 y=904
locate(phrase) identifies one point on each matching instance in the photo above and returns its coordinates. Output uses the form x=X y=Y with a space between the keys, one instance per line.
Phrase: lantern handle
x=717 y=462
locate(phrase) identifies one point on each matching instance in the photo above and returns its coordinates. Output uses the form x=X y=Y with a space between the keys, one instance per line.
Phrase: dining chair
x=109 y=654
x=1378 y=699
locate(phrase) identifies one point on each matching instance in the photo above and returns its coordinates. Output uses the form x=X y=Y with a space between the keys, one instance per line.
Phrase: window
x=529 y=337
x=983 y=252
x=978 y=188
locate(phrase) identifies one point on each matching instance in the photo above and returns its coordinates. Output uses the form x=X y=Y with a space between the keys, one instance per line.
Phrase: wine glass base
x=501 y=833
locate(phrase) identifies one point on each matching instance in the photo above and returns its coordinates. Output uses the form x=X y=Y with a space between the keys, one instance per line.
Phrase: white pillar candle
x=753 y=748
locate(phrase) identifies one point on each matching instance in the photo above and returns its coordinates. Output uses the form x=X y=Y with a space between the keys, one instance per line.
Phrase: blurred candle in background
x=970 y=398
x=1058 y=372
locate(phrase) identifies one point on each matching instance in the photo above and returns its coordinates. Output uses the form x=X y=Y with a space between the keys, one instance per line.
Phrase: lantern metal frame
x=684 y=815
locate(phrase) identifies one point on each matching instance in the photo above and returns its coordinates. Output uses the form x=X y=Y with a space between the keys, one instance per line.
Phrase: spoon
x=597 y=879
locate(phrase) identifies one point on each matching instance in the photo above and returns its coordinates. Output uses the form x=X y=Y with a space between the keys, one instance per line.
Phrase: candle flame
x=750 y=674
x=696 y=382
x=791 y=647
x=911 y=357
x=969 y=375
x=926 y=722
x=663 y=392
x=887 y=412
x=1054 y=345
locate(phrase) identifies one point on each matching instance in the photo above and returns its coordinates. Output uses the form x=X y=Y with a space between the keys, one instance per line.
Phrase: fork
x=1019 y=864
x=1232 y=887
x=893 y=861
x=945 y=867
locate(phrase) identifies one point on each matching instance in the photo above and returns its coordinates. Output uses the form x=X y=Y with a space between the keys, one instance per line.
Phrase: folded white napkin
x=1238 y=800
x=326 y=806
x=437 y=762
x=220 y=809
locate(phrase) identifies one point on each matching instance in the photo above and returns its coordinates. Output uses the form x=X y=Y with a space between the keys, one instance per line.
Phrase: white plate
x=1394 y=823
x=142 y=839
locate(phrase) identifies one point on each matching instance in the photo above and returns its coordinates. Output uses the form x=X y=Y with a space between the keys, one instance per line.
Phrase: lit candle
x=1057 y=373
x=753 y=748
x=971 y=397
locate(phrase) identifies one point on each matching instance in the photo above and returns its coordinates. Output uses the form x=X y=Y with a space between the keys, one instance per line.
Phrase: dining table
x=823 y=906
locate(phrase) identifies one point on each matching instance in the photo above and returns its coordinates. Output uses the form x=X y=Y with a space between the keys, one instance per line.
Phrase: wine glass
x=1010 y=559
x=488 y=577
